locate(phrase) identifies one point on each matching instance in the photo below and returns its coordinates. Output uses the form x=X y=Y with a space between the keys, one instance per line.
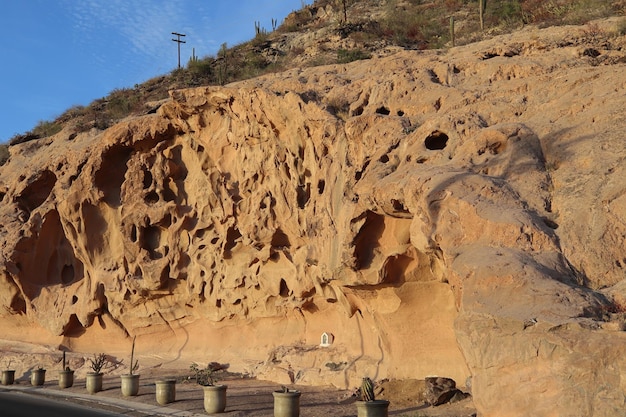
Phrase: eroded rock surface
x=450 y=213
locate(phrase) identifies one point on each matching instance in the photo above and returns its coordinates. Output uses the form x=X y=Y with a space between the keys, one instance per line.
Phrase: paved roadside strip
x=246 y=397
x=110 y=404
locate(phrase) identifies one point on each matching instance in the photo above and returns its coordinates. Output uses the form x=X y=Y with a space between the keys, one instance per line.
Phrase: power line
x=178 y=41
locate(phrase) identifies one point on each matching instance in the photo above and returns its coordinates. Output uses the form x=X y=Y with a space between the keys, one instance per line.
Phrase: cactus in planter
x=99 y=362
x=66 y=375
x=93 y=380
x=369 y=406
x=367 y=390
x=214 y=394
x=130 y=382
x=133 y=365
x=8 y=374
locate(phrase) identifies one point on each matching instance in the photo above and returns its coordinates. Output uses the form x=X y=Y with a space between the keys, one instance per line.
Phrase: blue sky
x=55 y=54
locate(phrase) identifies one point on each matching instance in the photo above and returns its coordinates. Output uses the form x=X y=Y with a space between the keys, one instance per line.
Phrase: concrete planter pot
x=286 y=404
x=376 y=408
x=166 y=391
x=214 y=398
x=93 y=382
x=8 y=377
x=66 y=379
x=130 y=385
x=38 y=377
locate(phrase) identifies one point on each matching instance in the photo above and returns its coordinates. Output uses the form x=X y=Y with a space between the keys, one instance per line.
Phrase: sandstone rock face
x=457 y=214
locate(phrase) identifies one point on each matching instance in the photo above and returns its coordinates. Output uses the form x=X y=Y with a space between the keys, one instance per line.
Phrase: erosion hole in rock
x=67 y=274
x=280 y=239
x=38 y=191
x=284 y=289
x=384 y=159
x=73 y=328
x=287 y=171
x=18 y=304
x=95 y=226
x=52 y=260
x=321 y=184
x=400 y=113
x=168 y=194
x=367 y=239
x=164 y=278
x=74 y=299
x=232 y=237
x=138 y=274
x=398 y=206
x=395 y=268
x=496 y=147
x=383 y=110
x=175 y=165
x=147 y=179
x=189 y=223
x=551 y=223
x=110 y=175
x=151 y=198
x=437 y=140
x=303 y=193
x=151 y=241
x=166 y=221
x=359 y=174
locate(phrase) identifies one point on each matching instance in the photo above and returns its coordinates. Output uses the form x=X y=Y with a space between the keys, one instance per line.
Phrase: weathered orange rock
x=439 y=213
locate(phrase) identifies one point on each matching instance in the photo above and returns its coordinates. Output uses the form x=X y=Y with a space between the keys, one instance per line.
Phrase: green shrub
x=45 y=128
x=621 y=27
x=4 y=154
x=348 y=55
x=202 y=67
x=421 y=26
x=122 y=102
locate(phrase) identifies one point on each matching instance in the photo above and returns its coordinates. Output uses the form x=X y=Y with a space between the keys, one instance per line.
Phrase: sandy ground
x=245 y=397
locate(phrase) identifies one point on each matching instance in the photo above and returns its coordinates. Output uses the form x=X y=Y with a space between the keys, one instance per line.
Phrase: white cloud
x=128 y=32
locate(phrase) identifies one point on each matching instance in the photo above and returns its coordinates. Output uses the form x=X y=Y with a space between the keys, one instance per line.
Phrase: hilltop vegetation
x=330 y=32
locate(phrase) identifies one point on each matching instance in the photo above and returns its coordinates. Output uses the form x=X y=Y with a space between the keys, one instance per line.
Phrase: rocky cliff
x=456 y=213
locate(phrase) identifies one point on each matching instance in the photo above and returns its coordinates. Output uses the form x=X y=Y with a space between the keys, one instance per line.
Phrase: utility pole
x=178 y=41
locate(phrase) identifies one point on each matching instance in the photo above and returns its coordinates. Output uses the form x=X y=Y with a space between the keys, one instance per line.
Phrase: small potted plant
x=93 y=380
x=214 y=395
x=286 y=402
x=130 y=381
x=66 y=375
x=369 y=406
x=8 y=374
x=38 y=376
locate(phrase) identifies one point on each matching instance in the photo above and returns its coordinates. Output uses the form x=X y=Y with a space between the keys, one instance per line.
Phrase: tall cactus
x=481 y=11
x=134 y=364
x=367 y=390
x=452 y=30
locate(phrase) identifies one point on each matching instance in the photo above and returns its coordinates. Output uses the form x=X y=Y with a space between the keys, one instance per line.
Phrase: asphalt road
x=16 y=404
